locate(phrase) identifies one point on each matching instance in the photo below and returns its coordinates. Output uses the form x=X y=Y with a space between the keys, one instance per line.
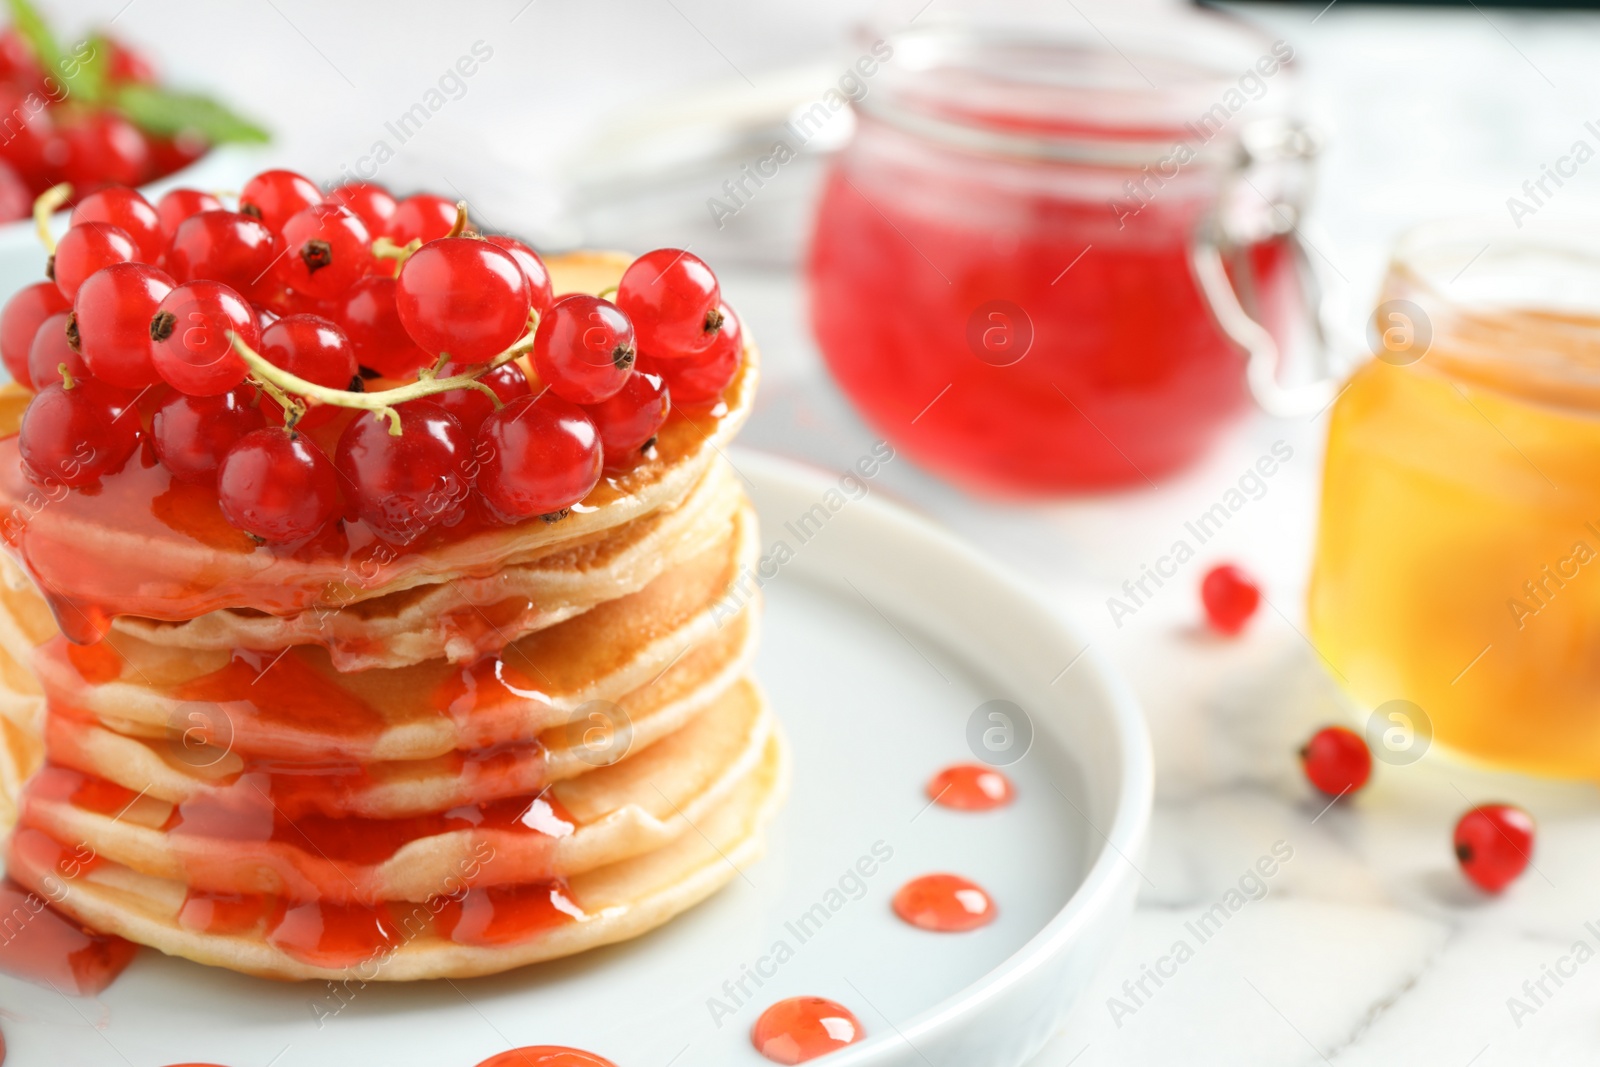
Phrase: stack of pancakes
x=510 y=746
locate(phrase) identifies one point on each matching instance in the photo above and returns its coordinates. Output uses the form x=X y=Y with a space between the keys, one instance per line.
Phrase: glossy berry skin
x=533 y=269
x=103 y=147
x=227 y=247
x=372 y=322
x=191 y=348
x=583 y=349
x=672 y=298
x=24 y=313
x=191 y=434
x=403 y=486
x=87 y=248
x=176 y=205
x=51 y=349
x=274 y=196
x=16 y=199
x=112 y=317
x=129 y=211
x=276 y=485
x=463 y=296
x=1493 y=844
x=469 y=406
x=77 y=436
x=371 y=203
x=536 y=456
x=423 y=217
x=1230 y=598
x=699 y=380
x=631 y=417
x=313 y=348
x=1336 y=761
x=327 y=251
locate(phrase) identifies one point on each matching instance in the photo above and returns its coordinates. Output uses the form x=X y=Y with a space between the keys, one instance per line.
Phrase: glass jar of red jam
x=1061 y=256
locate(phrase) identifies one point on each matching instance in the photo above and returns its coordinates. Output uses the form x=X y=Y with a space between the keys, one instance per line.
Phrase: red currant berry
x=372 y=322
x=20 y=322
x=127 y=66
x=533 y=269
x=16 y=199
x=328 y=251
x=469 y=406
x=19 y=65
x=629 y=419
x=1336 y=760
x=226 y=247
x=77 y=436
x=87 y=248
x=190 y=329
x=130 y=212
x=405 y=485
x=1494 y=843
x=583 y=349
x=52 y=349
x=192 y=433
x=313 y=348
x=423 y=217
x=462 y=296
x=371 y=203
x=171 y=154
x=672 y=298
x=274 y=196
x=536 y=456
x=700 y=379
x=111 y=317
x=1230 y=598
x=179 y=204
x=275 y=484
x=104 y=148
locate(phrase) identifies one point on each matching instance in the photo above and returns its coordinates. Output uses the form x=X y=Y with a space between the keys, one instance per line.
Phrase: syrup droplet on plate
x=546 y=1056
x=971 y=787
x=803 y=1028
x=945 y=903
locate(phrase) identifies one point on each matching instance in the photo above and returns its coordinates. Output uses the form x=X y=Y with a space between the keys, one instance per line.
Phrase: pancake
x=430 y=940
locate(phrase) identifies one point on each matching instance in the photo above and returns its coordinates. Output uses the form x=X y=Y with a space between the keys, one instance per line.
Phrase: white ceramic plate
x=883 y=637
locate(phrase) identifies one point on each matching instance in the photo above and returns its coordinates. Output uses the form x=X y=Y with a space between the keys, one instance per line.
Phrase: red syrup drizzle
x=971 y=787
x=803 y=1028
x=944 y=903
x=492 y=916
x=546 y=1056
x=37 y=942
x=334 y=936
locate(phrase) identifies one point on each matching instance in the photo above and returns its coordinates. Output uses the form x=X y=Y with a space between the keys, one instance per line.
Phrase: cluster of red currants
x=132 y=339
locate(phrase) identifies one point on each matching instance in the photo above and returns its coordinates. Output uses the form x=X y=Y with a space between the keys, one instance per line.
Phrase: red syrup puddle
x=971 y=787
x=803 y=1028
x=546 y=1056
x=944 y=903
x=38 y=943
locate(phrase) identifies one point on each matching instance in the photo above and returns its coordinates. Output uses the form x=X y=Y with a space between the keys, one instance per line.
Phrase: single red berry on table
x=405 y=485
x=372 y=204
x=227 y=247
x=1336 y=760
x=672 y=298
x=274 y=196
x=313 y=348
x=1230 y=598
x=103 y=147
x=276 y=485
x=191 y=348
x=87 y=248
x=423 y=217
x=77 y=436
x=536 y=456
x=583 y=349
x=372 y=322
x=111 y=317
x=469 y=406
x=327 y=251
x=1494 y=843
x=129 y=211
x=630 y=418
x=178 y=204
x=19 y=324
x=51 y=349
x=191 y=434
x=463 y=296
x=700 y=379
x=533 y=269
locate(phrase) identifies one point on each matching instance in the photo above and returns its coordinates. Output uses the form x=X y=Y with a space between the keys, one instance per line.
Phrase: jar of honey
x=1458 y=555
x=1048 y=262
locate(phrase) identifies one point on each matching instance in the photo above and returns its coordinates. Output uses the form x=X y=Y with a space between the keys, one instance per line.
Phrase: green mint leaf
x=87 y=70
x=163 y=111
